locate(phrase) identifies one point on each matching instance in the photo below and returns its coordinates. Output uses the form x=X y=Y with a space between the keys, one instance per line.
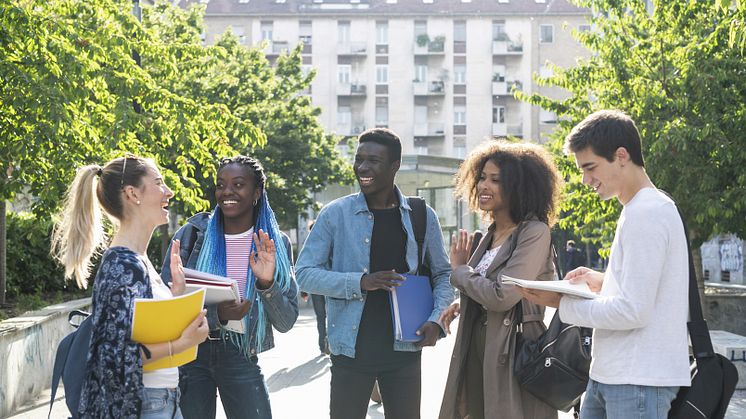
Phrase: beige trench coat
x=530 y=259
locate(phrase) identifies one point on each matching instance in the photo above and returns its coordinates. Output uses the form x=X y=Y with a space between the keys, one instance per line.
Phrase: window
x=420 y=27
x=265 y=27
x=498 y=114
x=382 y=114
x=459 y=31
x=498 y=30
x=239 y=32
x=343 y=73
x=547 y=117
x=459 y=115
x=343 y=32
x=344 y=118
x=584 y=28
x=459 y=74
x=546 y=34
x=304 y=31
x=382 y=74
x=459 y=151
x=382 y=33
x=420 y=73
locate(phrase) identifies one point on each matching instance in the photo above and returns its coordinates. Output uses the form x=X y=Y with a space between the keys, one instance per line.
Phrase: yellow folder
x=157 y=321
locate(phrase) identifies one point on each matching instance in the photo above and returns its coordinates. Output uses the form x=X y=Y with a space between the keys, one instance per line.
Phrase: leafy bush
x=30 y=267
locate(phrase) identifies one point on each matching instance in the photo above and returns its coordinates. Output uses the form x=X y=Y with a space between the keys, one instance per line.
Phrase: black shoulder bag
x=714 y=376
x=554 y=367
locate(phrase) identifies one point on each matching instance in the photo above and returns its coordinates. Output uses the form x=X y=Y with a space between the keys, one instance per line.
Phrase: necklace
x=498 y=238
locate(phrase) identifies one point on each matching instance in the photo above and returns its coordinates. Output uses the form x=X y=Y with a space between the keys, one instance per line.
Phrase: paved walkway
x=298 y=379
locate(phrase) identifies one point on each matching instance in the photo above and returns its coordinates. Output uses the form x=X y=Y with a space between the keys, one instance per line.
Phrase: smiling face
x=374 y=168
x=489 y=191
x=601 y=175
x=154 y=196
x=235 y=193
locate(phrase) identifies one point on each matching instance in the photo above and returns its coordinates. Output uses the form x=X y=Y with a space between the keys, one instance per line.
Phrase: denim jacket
x=337 y=254
x=280 y=308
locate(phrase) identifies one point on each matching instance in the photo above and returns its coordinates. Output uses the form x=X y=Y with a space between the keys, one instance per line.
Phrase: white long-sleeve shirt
x=640 y=334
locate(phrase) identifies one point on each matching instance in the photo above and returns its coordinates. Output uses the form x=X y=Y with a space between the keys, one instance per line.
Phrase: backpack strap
x=63 y=350
x=418 y=217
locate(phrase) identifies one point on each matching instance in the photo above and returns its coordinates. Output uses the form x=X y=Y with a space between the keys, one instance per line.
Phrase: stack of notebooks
x=218 y=289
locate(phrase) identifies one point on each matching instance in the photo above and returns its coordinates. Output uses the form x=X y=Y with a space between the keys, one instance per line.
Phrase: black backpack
x=418 y=217
x=70 y=361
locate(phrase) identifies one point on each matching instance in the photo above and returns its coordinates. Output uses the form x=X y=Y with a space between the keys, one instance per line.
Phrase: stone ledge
x=28 y=344
x=733 y=347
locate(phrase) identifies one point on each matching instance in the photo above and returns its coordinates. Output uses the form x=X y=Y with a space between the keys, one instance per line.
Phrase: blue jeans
x=160 y=403
x=220 y=366
x=626 y=401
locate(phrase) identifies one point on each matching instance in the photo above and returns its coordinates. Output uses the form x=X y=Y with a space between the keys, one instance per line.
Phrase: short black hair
x=604 y=132
x=384 y=137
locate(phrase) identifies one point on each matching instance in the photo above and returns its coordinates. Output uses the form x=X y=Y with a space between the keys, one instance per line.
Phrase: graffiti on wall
x=731 y=255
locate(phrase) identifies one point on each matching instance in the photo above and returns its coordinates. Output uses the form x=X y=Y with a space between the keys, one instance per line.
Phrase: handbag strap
x=418 y=217
x=699 y=333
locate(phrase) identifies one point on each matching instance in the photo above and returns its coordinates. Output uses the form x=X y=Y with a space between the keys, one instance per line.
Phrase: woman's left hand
x=178 y=283
x=262 y=262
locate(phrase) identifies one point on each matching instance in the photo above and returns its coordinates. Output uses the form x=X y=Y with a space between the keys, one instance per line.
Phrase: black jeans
x=319 y=307
x=400 y=388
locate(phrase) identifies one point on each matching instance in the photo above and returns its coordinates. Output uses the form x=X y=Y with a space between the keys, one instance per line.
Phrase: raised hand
x=460 y=245
x=178 y=284
x=448 y=315
x=381 y=280
x=262 y=262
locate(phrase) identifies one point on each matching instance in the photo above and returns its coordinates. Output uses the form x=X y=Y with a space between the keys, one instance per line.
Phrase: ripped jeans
x=220 y=366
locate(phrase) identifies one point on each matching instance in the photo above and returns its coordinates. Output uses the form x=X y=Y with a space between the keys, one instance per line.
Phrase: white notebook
x=564 y=287
x=218 y=289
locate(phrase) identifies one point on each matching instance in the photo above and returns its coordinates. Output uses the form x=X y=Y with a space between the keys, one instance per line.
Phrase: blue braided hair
x=212 y=257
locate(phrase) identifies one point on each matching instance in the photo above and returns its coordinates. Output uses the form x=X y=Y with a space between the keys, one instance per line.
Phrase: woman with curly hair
x=516 y=187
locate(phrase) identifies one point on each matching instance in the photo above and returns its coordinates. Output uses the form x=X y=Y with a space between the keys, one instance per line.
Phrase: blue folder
x=411 y=306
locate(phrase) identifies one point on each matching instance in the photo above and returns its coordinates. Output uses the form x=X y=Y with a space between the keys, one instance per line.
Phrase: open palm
x=262 y=261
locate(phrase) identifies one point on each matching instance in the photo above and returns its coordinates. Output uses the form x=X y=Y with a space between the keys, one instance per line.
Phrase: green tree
x=66 y=98
x=679 y=71
x=298 y=156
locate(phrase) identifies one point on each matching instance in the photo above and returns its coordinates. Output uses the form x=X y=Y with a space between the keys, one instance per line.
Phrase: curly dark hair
x=529 y=180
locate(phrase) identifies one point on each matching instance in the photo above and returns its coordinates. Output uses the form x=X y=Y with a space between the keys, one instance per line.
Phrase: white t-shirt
x=640 y=334
x=165 y=377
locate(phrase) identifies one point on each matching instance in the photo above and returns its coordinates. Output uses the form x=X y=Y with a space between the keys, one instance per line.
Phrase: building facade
x=440 y=73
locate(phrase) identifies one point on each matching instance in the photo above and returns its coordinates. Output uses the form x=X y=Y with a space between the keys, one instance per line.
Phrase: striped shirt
x=237 y=250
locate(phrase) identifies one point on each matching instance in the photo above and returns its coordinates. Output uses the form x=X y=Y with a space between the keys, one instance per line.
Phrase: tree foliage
x=680 y=72
x=298 y=156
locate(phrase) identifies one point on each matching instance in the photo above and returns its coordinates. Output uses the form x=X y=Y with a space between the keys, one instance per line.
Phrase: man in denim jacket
x=354 y=255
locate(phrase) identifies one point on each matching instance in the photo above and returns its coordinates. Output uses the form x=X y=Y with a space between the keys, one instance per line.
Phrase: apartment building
x=438 y=72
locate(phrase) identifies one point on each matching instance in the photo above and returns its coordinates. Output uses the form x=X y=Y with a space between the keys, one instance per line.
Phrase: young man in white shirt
x=640 y=349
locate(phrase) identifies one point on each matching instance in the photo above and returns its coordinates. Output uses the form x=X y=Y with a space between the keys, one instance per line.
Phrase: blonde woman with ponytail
x=133 y=195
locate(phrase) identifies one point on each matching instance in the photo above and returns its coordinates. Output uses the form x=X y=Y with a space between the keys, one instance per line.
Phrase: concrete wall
x=28 y=345
x=726 y=312
x=724 y=254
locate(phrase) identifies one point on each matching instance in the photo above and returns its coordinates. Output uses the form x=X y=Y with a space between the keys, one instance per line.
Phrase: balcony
x=505 y=88
x=503 y=45
x=274 y=48
x=351 y=89
x=352 y=49
x=499 y=129
x=351 y=130
x=429 y=129
x=425 y=46
x=432 y=88
x=515 y=130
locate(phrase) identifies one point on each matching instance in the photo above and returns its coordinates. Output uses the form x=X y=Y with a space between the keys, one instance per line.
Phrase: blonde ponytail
x=79 y=232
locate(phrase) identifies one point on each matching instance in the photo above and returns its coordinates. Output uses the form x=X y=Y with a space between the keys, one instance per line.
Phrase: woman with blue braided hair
x=240 y=239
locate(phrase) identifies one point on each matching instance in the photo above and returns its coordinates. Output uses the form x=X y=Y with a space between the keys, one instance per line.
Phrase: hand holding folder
x=411 y=306
x=158 y=321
